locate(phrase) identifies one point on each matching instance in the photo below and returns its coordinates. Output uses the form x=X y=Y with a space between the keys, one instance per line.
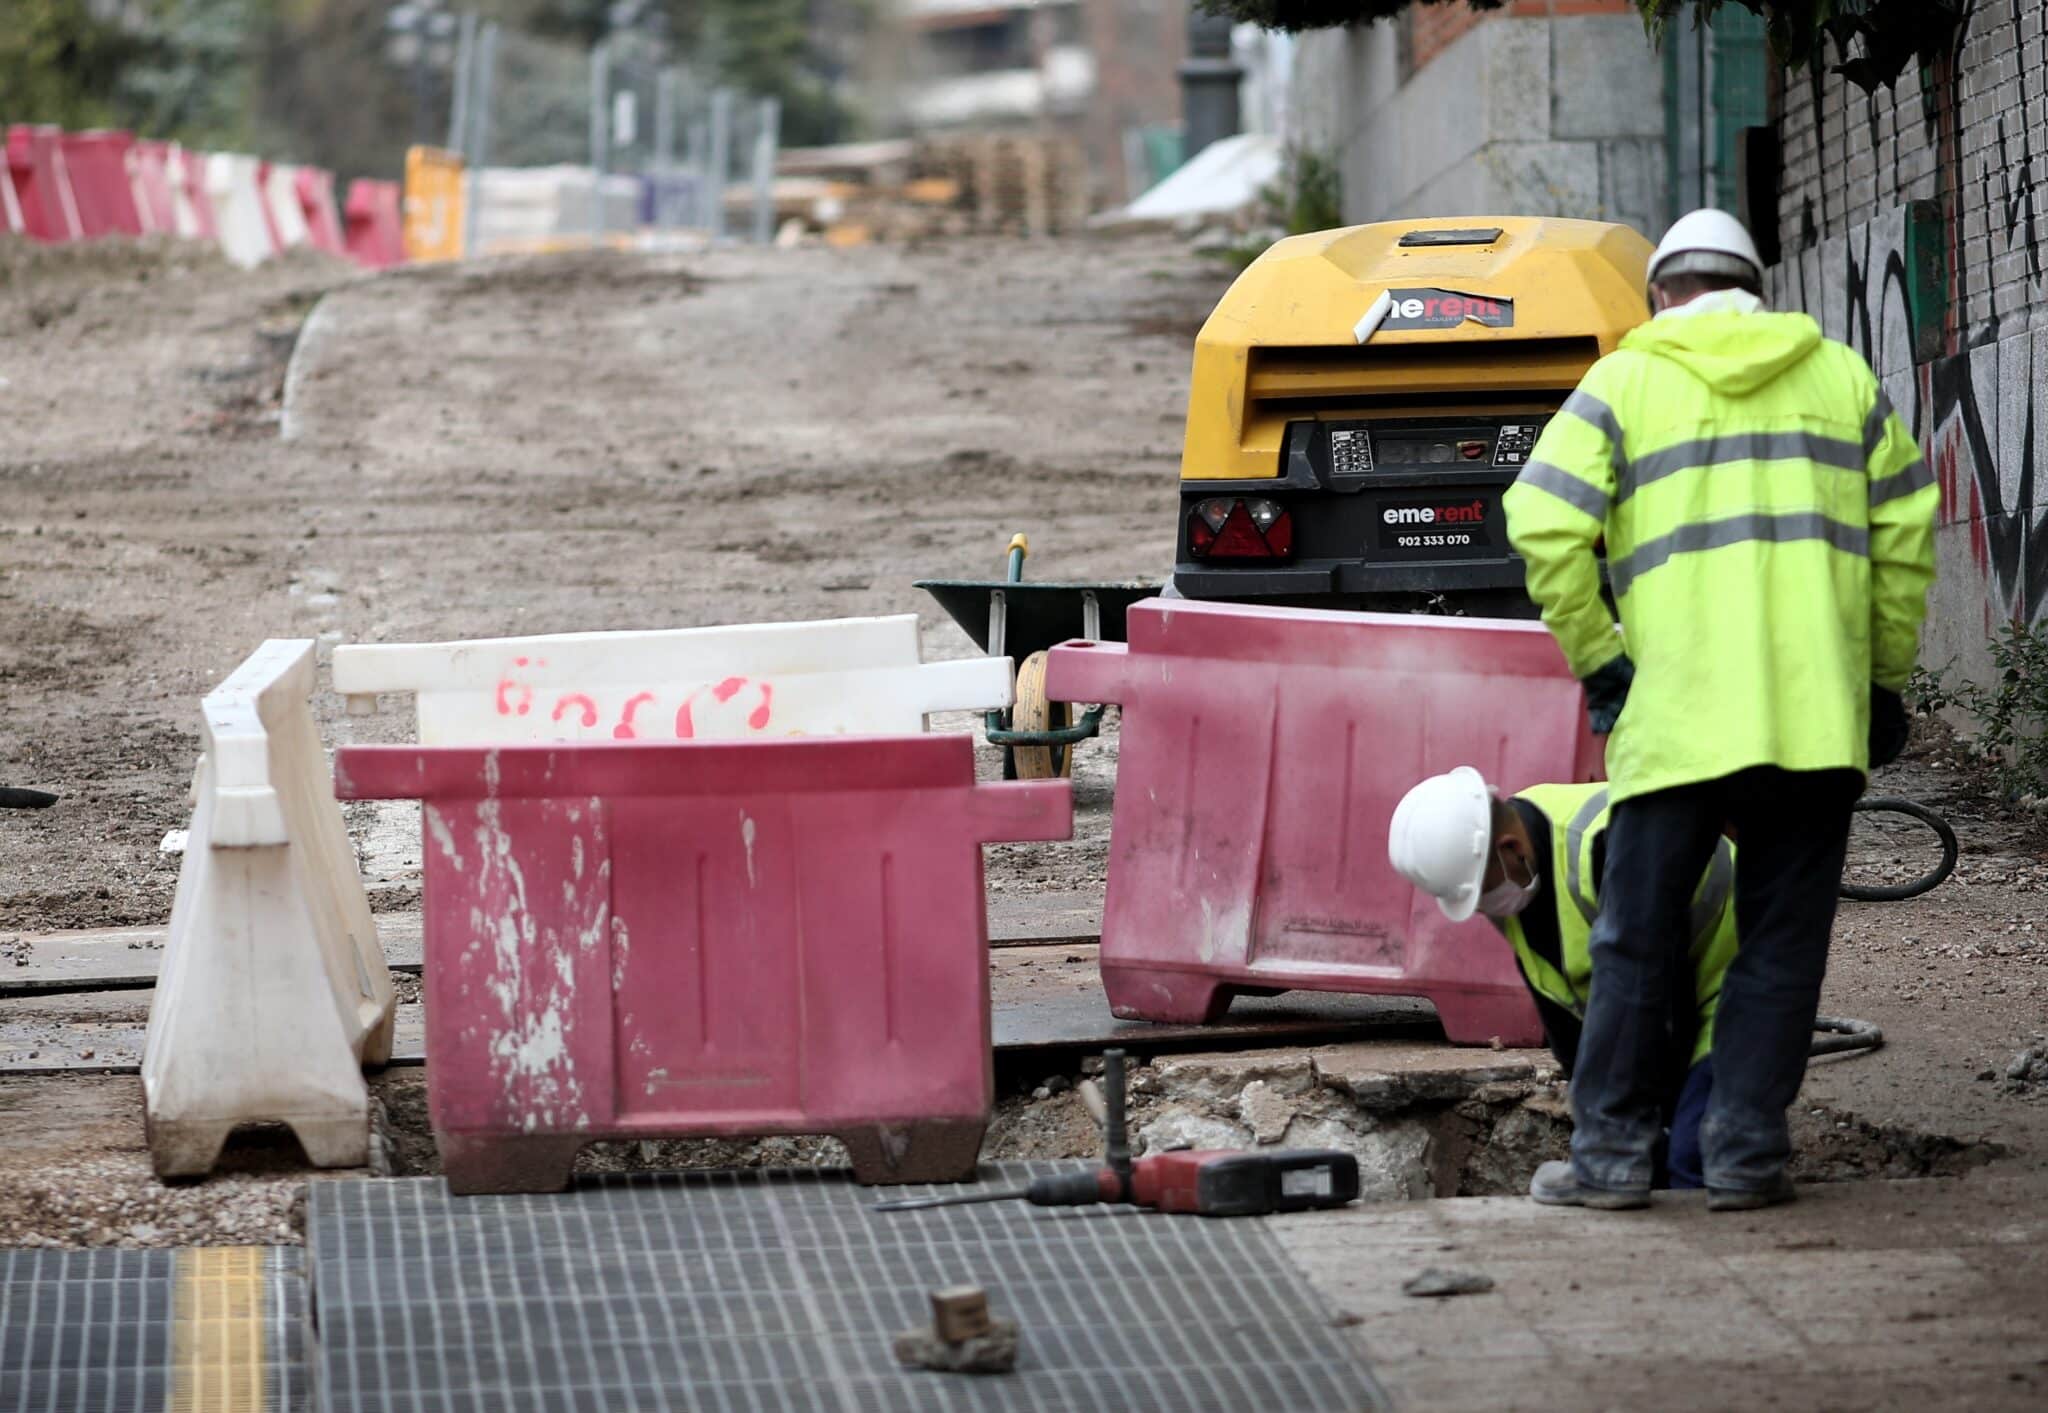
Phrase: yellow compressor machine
x=1363 y=397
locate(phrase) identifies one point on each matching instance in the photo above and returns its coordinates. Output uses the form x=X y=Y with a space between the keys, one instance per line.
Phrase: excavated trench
x=1423 y=1122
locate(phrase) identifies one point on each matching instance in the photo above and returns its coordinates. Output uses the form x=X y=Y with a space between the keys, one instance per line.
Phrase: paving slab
x=1868 y=1295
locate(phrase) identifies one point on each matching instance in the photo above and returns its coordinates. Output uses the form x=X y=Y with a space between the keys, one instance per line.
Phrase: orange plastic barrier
x=433 y=204
x=189 y=199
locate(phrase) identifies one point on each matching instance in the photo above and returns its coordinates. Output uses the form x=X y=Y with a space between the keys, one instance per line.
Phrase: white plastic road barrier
x=273 y=993
x=238 y=217
x=847 y=676
x=11 y=219
x=281 y=195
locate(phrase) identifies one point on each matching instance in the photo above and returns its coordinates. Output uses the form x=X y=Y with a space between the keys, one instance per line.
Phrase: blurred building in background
x=1103 y=73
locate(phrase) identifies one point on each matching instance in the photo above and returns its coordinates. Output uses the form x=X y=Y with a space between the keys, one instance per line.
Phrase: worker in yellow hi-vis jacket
x=1769 y=536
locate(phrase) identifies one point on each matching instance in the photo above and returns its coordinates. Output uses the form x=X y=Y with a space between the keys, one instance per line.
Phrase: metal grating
x=111 y=1331
x=779 y=1291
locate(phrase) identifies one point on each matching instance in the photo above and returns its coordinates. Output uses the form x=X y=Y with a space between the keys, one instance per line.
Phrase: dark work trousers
x=1792 y=833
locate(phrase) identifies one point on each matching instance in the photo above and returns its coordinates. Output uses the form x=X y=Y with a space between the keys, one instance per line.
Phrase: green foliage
x=166 y=68
x=60 y=64
x=1873 y=40
x=2011 y=716
x=1309 y=196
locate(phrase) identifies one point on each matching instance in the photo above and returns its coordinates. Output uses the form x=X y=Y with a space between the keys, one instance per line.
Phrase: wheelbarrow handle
x=1087 y=727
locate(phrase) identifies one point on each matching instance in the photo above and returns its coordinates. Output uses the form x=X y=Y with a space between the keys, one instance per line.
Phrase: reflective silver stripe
x=1596 y=414
x=1713 y=894
x=1574 y=839
x=1566 y=487
x=1737 y=446
x=1915 y=477
x=1874 y=425
x=1600 y=417
x=1737 y=529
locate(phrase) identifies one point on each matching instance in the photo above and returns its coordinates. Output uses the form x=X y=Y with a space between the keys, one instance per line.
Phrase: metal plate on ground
x=112 y=1331
x=771 y=1291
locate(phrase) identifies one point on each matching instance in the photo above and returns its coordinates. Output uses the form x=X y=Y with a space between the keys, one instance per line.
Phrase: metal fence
x=623 y=138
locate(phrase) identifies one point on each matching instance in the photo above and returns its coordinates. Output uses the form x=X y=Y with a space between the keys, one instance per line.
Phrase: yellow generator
x=1362 y=398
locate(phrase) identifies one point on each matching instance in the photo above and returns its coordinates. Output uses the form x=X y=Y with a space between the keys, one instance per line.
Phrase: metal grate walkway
x=779 y=1291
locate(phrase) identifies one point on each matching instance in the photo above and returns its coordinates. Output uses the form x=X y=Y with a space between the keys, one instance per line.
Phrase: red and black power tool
x=1208 y=1182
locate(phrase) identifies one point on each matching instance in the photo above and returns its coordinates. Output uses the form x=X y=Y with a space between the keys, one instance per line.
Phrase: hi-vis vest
x=1578 y=816
x=1769 y=526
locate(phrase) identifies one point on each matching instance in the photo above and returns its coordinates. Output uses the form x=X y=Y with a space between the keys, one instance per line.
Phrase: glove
x=1889 y=726
x=1607 y=693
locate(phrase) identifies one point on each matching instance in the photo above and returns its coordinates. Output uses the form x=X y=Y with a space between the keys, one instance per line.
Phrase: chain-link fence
x=569 y=145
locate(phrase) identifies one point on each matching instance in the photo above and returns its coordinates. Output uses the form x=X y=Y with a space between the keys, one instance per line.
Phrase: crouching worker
x=1532 y=865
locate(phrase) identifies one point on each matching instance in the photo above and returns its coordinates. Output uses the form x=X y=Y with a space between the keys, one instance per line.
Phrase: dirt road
x=613 y=441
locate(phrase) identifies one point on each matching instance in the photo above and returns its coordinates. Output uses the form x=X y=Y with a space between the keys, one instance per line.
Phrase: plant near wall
x=1873 y=41
x=2010 y=716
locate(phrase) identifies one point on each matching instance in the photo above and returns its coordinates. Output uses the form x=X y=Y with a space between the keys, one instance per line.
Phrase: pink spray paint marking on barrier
x=665 y=939
x=1261 y=755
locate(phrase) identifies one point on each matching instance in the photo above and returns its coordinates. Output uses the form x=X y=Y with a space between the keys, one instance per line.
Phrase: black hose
x=1899 y=892
x=1844 y=1036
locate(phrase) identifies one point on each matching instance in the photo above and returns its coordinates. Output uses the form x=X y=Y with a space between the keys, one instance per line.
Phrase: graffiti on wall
x=1974 y=414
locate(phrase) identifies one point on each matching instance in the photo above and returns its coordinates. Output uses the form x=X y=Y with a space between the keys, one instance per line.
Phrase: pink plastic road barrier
x=376 y=224
x=315 y=191
x=99 y=182
x=149 y=179
x=195 y=220
x=1261 y=756
x=690 y=939
x=42 y=183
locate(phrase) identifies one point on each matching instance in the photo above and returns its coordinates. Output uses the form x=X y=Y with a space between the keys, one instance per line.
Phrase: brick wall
x=1433 y=28
x=1972 y=138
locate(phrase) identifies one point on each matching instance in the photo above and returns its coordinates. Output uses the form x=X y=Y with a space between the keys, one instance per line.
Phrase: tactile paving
x=203 y=1330
x=773 y=1291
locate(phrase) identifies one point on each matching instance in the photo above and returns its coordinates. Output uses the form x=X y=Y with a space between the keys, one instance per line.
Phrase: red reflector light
x=1240 y=529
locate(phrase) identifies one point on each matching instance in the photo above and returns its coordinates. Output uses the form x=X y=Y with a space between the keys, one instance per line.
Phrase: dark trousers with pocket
x=1792 y=833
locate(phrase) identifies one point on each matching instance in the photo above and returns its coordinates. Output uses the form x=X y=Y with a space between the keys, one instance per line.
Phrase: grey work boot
x=1556 y=1185
x=1749 y=1199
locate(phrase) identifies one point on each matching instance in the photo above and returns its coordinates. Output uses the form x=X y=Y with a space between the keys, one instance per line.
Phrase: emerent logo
x=1447 y=309
x=1472 y=514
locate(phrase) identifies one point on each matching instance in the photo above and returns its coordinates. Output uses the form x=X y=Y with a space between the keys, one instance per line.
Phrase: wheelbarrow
x=1020 y=621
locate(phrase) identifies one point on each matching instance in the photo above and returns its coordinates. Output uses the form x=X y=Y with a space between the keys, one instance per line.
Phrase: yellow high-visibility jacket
x=1770 y=542
x=1578 y=816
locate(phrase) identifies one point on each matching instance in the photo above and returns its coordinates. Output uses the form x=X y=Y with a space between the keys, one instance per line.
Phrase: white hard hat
x=1441 y=838
x=1707 y=242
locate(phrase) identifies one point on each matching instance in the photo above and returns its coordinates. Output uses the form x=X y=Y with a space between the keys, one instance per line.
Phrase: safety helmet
x=1441 y=838
x=1707 y=242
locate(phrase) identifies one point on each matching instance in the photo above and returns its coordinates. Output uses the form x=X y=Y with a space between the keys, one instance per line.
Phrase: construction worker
x=1768 y=524
x=1531 y=866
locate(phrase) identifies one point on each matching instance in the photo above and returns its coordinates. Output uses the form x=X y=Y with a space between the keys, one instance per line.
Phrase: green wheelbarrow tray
x=1039 y=616
x=1015 y=619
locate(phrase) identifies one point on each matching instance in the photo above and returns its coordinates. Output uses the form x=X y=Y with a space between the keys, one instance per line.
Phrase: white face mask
x=1510 y=897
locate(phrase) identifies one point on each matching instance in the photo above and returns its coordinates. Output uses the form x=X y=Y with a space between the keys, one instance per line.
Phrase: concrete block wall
x=1852 y=162
x=1459 y=113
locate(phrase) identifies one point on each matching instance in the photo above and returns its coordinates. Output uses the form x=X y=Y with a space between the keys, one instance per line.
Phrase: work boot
x=1556 y=1185
x=1749 y=1199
